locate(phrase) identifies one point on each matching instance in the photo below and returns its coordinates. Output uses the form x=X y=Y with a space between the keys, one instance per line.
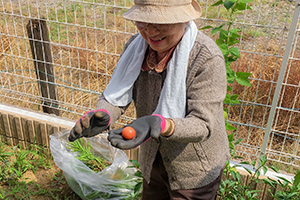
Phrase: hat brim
x=164 y=14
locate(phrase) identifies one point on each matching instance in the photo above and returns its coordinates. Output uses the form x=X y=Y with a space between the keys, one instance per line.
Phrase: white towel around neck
x=172 y=100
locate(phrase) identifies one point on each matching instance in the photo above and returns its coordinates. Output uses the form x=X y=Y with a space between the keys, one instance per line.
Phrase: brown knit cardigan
x=198 y=149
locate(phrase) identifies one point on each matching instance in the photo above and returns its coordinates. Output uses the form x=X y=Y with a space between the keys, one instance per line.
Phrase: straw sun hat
x=163 y=11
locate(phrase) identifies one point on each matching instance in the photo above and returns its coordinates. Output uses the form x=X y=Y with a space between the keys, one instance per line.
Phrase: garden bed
x=43 y=183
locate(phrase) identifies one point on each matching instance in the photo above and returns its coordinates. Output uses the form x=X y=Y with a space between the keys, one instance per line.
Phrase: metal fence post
x=283 y=67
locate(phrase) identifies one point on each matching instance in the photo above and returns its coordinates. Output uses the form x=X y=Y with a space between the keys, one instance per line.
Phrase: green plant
x=227 y=40
x=15 y=161
x=20 y=190
x=124 y=181
x=58 y=179
x=139 y=185
x=290 y=189
x=2 y=195
x=232 y=187
x=96 y=163
x=42 y=191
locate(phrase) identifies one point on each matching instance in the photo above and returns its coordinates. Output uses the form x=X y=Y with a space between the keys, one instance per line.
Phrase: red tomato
x=128 y=133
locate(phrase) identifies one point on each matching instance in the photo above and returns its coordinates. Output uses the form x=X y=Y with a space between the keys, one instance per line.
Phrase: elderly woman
x=176 y=77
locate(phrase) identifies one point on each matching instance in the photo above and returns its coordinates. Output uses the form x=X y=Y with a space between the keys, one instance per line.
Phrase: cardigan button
x=174 y=179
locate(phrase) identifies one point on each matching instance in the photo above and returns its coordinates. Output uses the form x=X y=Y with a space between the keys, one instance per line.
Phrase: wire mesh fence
x=84 y=39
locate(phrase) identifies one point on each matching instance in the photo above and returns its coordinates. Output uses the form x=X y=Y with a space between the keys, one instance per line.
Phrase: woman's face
x=162 y=41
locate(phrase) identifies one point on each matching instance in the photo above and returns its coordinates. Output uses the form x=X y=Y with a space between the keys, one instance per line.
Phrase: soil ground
x=51 y=182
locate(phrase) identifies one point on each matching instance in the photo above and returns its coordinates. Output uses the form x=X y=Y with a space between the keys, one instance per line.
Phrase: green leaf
x=228 y=4
x=224 y=49
x=241 y=6
x=269 y=182
x=234 y=98
x=234 y=33
x=230 y=137
x=257 y=173
x=245 y=162
x=238 y=157
x=274 y=169
x=233 y=175
x=297 y=180
x=227 y=99
x=231 y=146
x=248 y=7
x=264 y=169
x=223 y=34
x=225 y=114
x=216 y=29
x=238 y=141
x=284 y=179
x=249 y=171
x=138 y=174
x=231 y=58
x=229 y=127
x=230 y=79
x=206 y=27
x=242 y=78
x=232 y=41
x=219 y=41
x=234 y=51
x=138 y=187
x=217 y=3
x=245 y=1
x=263 y=160
x=135 y=162
x=231 y=99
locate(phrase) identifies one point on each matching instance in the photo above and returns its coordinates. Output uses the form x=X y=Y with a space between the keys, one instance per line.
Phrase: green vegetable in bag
x=96 y=170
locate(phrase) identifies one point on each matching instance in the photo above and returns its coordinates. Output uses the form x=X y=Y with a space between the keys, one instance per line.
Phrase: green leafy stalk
x=96 y=163
x=228 y=39
x=290 y=189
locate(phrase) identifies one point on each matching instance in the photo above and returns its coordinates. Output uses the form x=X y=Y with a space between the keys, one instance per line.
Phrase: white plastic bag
x=115 y=182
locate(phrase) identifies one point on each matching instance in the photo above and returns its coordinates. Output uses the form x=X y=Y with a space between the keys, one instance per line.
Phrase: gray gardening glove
x=92 y=123
x=145 y=127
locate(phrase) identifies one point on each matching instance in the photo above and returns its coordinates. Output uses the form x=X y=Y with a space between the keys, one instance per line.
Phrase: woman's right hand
x=145 y=127
x=92 y=123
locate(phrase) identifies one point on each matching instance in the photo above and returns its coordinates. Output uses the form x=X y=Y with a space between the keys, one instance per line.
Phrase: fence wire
x=86 y=38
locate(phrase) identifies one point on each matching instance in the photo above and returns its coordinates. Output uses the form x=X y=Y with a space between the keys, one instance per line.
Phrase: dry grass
x=257 y=100
x=83 y=57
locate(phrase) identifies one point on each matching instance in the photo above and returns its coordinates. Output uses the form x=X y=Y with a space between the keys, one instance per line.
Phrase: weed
x=126 y=183
x=227 y=40
x=232 y=187
x=96 y=163
x=291 y=189
x=139 y=185
x=42 y=191
x=58 y=179
x=19 y=190
x=15 y=161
